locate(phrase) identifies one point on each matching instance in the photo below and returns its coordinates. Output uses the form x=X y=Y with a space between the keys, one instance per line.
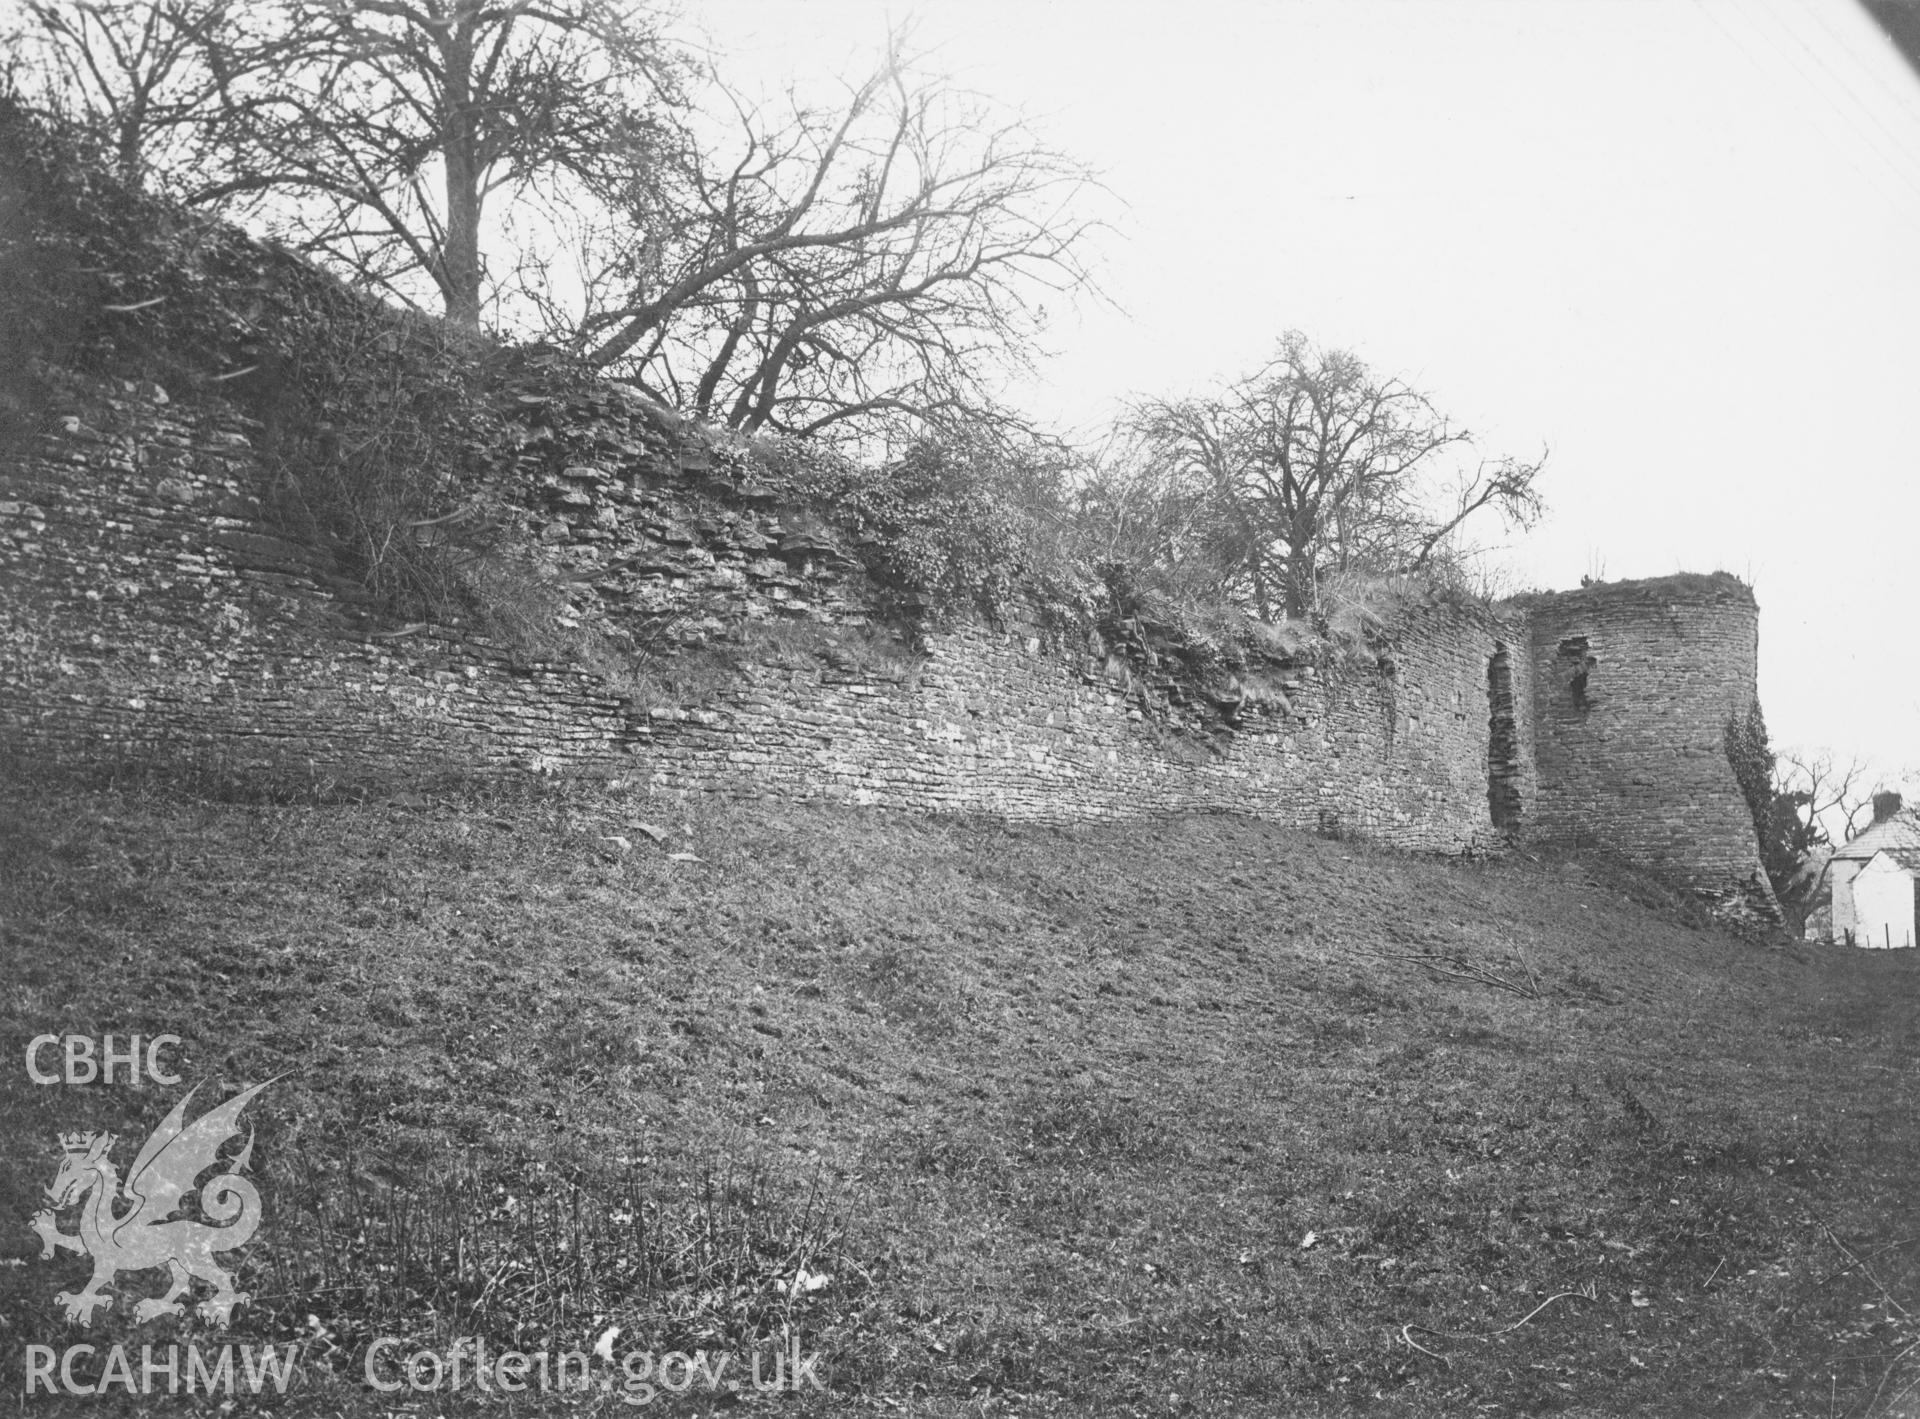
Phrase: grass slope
x=1191 y=1117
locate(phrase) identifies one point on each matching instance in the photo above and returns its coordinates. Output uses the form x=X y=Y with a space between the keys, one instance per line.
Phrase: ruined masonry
x=151 y=615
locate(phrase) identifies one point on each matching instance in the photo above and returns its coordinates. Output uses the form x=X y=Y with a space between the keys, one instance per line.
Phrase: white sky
x=1672 y=240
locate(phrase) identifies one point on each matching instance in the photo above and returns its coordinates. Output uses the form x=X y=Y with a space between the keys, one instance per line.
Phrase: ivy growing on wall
x=1752 y=763
x=382 y=445
x=954 y=524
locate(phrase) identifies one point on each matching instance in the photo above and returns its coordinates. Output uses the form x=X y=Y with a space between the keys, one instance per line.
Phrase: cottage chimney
x=1885 y=804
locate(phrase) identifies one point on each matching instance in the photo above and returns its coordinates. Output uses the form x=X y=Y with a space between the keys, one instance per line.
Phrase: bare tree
x=162 y=84
x=831 y=271
x=1163 y=522
x=403 y=119
x=881 y=263
x=1835 y=793
x=1820 y=801
x=374 y=133
x=1319 y=465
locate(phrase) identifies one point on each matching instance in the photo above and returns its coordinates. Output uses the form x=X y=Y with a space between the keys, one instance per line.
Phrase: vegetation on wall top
x=394 y=442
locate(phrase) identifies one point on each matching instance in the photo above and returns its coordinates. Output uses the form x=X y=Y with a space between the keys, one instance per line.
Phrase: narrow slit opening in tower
x=1576 y=658
x=1503 y=745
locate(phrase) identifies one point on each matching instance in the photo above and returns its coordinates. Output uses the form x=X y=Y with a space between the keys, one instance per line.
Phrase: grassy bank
x=1192 y=1117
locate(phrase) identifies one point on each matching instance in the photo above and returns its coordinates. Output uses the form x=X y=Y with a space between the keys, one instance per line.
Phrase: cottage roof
x=1899 y=835
x=1904 y=860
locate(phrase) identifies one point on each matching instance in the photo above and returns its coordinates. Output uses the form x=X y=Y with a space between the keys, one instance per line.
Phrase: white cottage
x=1875 y=902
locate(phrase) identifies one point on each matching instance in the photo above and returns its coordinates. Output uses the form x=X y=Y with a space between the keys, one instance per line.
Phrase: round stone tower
x=1635 y=684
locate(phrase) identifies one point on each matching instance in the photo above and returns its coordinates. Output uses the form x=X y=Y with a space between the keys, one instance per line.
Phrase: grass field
x=1195 y=1117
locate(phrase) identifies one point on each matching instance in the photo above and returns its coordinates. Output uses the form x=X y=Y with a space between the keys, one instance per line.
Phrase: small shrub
x=954 y=524
x=381 y=444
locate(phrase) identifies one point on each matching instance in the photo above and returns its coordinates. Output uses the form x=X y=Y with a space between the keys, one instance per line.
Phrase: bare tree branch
x=1315 y=465
x=844 y=270
x=330 y=117
x=164 y=84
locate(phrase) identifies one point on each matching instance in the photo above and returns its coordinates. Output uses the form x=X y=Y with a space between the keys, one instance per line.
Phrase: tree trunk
x=460 y=250
x=129 y=154
x=1302 y=594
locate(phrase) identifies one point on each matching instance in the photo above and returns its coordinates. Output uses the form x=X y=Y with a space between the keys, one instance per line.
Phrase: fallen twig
x=1556 y=1296
x=464 y=510
x=1406 y=1335
x=1887 y=1374
x=1584 y=1293
x=1527 y=966
x=1865 y=1270
x=1461 y=969
x=1838 y=1272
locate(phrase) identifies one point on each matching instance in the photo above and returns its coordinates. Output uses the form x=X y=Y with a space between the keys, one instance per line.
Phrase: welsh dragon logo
x=146 y=1234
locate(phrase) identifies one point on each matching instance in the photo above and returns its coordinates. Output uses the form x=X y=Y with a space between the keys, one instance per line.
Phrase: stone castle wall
x=725 y=637
x=152 y=616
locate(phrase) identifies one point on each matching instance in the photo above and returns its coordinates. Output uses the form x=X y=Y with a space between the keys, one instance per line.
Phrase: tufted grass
x=1195 y=1117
